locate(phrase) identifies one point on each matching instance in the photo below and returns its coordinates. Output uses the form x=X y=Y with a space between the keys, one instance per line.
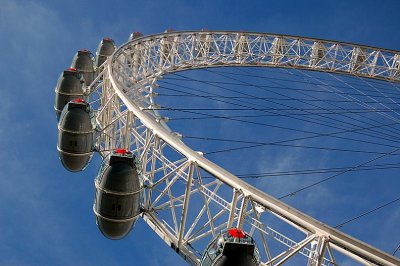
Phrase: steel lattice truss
x=189 y=199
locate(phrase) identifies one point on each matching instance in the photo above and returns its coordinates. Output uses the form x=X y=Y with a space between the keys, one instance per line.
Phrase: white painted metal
x=126 y=116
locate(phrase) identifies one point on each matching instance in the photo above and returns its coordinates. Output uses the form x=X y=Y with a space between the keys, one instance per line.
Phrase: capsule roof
x=122 y=155
x=72 y=71
x=107 y=39
x=78 y=103
x=84 y=51
x=135 y=35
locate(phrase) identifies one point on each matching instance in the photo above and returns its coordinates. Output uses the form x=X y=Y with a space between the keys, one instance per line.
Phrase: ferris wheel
x=209 y=216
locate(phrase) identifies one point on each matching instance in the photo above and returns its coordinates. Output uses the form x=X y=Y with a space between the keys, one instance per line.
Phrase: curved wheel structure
x=187 y=210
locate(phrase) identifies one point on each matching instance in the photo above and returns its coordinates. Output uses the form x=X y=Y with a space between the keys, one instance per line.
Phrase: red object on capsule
x=236 y=233
x=78 y=100
x=122 y=151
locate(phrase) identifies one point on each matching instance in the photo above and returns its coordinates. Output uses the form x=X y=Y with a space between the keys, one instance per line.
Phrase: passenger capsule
x=75 y=135
x=118 y=195
x=231 y=247
x=83 y=61
x=105 y=49
x=69 y=87
x=135 y=35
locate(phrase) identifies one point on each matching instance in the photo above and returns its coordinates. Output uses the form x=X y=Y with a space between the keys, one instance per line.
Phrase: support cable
x=287 y=73
x=368 y=212
x=291 y=145
x=316 y=171
x=397 y=249
x=302 y=91
x=329 y=103
x=333 y=134
x=291 y=107
x=285 y=99
x=269 y=111
x=336 y=175
x=324 y=85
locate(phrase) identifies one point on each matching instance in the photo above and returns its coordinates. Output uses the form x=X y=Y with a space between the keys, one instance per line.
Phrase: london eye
x=140 y=107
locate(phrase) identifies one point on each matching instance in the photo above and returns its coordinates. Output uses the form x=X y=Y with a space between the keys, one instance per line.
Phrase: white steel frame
x=180 y=205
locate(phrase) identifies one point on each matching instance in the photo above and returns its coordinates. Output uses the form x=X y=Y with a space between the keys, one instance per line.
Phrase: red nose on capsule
x=236 y=233
x=78 y=100
x=122 y=151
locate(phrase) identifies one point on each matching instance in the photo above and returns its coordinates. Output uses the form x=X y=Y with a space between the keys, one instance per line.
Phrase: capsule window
x=107 y=205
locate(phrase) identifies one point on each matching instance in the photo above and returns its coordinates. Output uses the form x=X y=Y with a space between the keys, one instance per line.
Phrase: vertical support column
x=128 y=128
x=144 y=155
x=153 y=168
x=322 y=250
x=317 y=53
x=136 y=54
x=107 y=123
x=116 y=137
x=257 y=223
x=396 y=67
x=241 y=47
x=278 y=49
x=372 y=65
x=186 y=203
x=317 y=251
x=335 y=55
x=357 y=60
x=242 y=212
x=233 y=208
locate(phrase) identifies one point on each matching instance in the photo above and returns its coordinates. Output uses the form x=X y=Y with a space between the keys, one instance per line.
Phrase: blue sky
x=46 y=213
